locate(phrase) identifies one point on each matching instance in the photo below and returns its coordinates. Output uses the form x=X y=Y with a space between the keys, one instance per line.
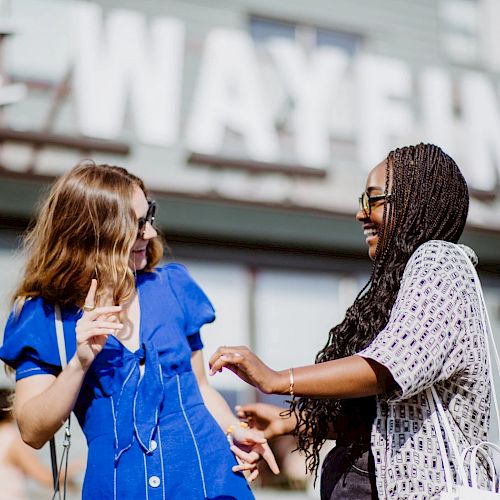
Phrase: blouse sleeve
x=30 y=344
x=423 y=342
x=196 y=306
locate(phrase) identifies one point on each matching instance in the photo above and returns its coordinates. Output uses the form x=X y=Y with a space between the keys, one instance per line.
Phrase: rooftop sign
x=127 y=66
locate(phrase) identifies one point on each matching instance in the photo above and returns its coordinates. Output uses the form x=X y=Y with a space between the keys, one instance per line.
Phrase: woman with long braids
x=135 y=378
x=416 y=324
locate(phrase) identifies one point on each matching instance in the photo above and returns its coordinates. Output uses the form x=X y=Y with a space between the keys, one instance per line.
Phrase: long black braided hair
x=429 y=201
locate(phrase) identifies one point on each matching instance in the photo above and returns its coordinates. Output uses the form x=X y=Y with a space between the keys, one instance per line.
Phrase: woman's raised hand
x=93 y=328
x=244 y=363
x=272 y=420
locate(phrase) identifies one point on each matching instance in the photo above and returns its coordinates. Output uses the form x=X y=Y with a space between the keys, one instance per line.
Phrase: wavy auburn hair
x=429 y=201
x=84 y=229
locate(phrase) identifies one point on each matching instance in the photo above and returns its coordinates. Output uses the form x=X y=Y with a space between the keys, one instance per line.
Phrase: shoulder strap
x=450 y=483
x=56 y=470
x=485 y=319
x=61 y=344
x=440 y=421
x=438 y=415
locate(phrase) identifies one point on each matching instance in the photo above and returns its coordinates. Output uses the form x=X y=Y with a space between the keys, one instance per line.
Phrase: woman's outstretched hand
x=272 y=420
x=244 y=363
x=93 y=328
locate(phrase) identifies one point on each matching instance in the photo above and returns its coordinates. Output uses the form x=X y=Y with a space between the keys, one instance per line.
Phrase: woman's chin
x=137 y=264
x=372 y=250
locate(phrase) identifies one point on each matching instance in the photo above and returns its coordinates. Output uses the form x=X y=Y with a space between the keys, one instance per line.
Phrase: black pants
x=347 y=474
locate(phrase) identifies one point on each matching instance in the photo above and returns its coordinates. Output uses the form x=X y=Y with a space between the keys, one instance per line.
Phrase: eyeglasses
x=366 y=201
x=150 y=217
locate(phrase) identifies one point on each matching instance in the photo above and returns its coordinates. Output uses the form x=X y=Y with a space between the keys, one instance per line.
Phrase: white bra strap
x=60 y=336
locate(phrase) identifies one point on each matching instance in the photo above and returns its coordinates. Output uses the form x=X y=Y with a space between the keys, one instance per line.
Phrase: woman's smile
x=138 y=255
x=370 y=232
x=140 y=250
x=373 y=218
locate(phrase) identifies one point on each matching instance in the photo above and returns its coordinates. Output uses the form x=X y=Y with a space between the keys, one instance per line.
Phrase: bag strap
x=485 y=320
x=437 y=407
x=56 y=470
x=442 y=448
x=482 y=449
x=474 y=450
x=61 y=344
x=445 y=424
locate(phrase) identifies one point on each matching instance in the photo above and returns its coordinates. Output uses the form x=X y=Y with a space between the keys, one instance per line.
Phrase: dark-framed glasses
x=150 y=217
x=367 y=201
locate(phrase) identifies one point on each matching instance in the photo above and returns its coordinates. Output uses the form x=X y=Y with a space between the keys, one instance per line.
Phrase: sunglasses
x=366 y=201
x=150 y=217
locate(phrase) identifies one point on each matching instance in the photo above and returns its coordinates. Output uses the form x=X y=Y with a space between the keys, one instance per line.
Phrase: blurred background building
x=254 y=123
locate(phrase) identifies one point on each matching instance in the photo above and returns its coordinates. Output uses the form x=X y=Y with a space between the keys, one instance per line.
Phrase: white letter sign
x=311 y=84
x=123 y=59
x=230 y=95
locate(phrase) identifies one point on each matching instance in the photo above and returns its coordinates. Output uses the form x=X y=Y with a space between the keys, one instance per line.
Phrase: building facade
x=254 y=123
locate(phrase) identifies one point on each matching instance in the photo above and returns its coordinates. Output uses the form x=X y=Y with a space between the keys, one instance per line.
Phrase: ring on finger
x=88 y=308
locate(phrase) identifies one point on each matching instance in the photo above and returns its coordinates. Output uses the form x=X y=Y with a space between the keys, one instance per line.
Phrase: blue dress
x=148 y=437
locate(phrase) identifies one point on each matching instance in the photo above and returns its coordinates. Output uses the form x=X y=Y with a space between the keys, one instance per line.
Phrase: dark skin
x=350 y=377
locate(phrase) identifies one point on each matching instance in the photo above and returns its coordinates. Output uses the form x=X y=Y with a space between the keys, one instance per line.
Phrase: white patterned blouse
x=434 y=336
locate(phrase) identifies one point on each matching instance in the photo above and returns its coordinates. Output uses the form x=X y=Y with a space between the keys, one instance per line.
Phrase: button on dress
x=149 y=436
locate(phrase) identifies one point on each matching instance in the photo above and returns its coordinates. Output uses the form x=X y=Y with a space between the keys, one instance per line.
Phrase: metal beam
x=41 y=139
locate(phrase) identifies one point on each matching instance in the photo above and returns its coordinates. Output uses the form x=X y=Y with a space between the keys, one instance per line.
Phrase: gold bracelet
x=292 y=382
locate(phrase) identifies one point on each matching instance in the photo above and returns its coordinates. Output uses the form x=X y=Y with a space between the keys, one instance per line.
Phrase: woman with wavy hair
x=415 y=325
x=135 y=377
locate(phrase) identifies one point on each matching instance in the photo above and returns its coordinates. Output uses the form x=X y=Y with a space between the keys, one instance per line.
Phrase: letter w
x=120 y=61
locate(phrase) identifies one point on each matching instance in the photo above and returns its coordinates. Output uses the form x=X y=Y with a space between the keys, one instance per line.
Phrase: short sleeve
x=29 y=344
x=196 y=306
x=423 y=341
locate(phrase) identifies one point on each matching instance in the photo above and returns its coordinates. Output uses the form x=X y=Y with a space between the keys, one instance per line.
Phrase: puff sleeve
x=424 y=342
x=30 y=344
x=195 y=305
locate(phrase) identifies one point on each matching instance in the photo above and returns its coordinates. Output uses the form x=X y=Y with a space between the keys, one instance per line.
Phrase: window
x=263 y=30
x=308 y=48
x=460 y=29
